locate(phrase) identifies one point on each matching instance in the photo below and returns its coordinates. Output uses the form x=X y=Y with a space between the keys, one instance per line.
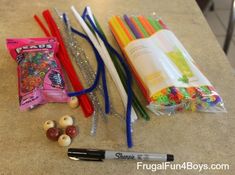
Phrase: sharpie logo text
x=123 y=156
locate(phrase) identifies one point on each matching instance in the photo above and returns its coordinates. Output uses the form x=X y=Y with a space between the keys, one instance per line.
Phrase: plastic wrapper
x=40 y=78
x=166 y=73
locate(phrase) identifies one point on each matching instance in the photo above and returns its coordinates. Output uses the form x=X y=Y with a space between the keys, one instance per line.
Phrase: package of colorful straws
x=166 y=73
x=40 y=78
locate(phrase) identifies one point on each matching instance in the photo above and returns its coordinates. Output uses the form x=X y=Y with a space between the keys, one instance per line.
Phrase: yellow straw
x=112 y=23
x=121 y=33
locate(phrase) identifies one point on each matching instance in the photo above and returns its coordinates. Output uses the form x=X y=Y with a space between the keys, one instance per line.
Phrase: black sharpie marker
x=99 y=155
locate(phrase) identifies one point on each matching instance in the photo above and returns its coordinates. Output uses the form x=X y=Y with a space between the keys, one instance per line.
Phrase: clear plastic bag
x=164 y=70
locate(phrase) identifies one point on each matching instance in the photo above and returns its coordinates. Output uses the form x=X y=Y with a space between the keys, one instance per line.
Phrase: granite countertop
x=191 y=137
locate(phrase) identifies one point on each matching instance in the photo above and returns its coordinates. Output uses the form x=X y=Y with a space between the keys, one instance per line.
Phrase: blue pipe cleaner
x=84 y=13
x=129 y=80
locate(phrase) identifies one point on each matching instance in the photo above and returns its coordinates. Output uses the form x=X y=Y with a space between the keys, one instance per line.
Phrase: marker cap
x=86 y=154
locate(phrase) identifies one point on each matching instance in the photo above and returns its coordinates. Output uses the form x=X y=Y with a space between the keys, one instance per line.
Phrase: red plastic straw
x=65 y=61
x=164 y=26
x=42 y=26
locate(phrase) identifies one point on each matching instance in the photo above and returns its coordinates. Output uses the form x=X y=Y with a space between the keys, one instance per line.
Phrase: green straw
x=158 y=24
x=136 y=103
x=140 y=26
x=154 y=23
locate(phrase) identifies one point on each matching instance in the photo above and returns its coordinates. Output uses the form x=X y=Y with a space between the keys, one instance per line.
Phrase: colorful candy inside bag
x=40 y=78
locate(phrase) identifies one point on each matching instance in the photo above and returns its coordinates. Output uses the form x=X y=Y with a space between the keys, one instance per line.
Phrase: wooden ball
x=73 y=103
x=48 y=124
x=71 y=131
x=66 y=121
x=64 y=140
x=53 y=134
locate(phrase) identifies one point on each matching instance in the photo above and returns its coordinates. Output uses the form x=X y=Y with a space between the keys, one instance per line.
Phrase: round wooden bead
x=73 y=103
x=66 y=121
x=64 y=140
x=53 y=133
x=48 y=124
x=71 y=131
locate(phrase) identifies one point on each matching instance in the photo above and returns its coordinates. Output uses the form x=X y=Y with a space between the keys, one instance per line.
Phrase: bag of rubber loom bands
x=40 y=78
x=166 y=73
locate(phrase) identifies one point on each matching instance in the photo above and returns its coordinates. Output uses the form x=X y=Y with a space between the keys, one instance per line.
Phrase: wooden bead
x=66 y=121
x=73 y=103
x=64 y=140
x=71 y=131
x=48 y=124
x=53 y=133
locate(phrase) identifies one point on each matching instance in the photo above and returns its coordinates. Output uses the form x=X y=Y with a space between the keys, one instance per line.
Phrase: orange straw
x=124 y=28
x=146 y=25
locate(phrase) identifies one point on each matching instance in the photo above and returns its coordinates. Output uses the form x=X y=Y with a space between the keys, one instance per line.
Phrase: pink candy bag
x=40 y=78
